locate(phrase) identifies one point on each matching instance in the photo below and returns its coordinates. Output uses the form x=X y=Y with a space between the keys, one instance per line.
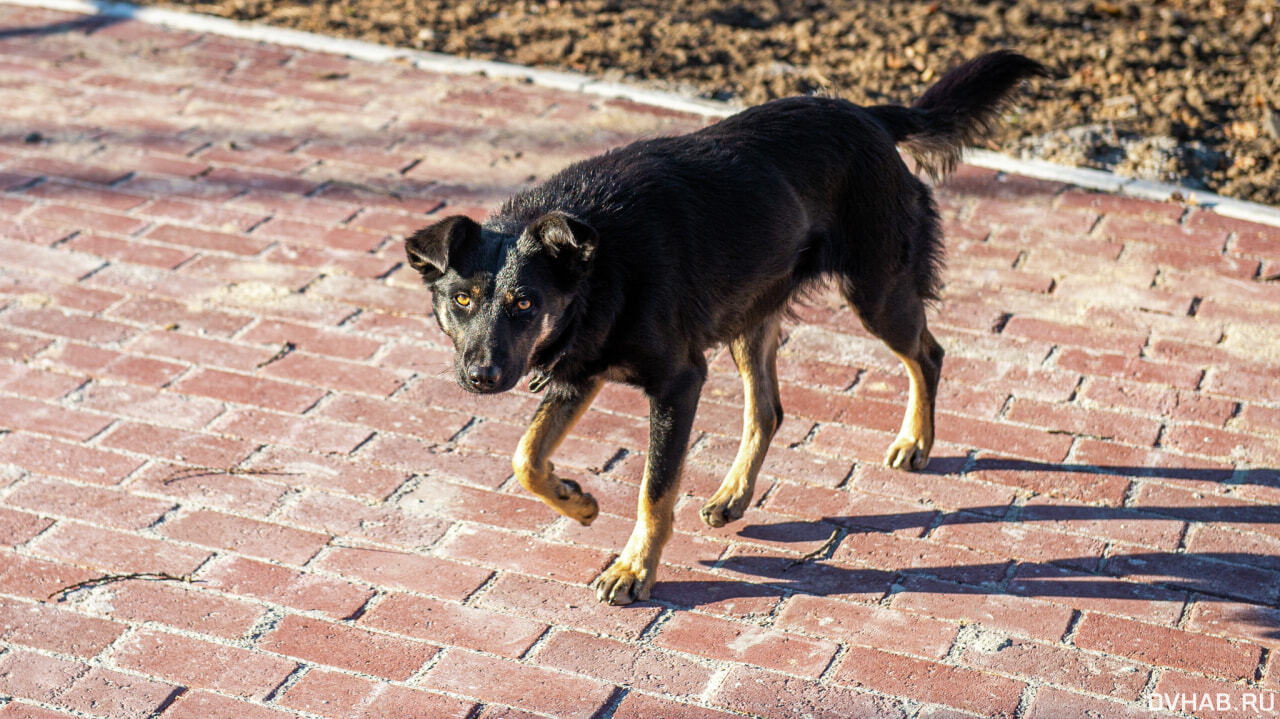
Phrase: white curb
x=437 y=62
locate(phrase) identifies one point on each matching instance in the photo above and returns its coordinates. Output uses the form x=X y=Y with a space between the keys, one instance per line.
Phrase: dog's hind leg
x=755 y=353
x=559 y=410
x=898 y=319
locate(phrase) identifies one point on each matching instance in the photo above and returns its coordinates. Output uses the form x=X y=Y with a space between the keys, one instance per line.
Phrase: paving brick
x=873 y=626
x=1212 y=699
x=1168 y=647
x=1030 y=443
x=920 y=557
x=1121 y=205
x=41 y=626
x=77 y=327
x=317 y=340
x=566 y=605
x=506 y=550
x=498 y=680
x=107 y=693
x=1086 y=591
x=342 y=695
x=1195 y=236
x=315 y=435
x=51 y=419
x=1156 y=529
x=734 y=641
x=306 y=591
x=47 y=261
x=196 y=704
x=1021 y=615
x=414 y=572
x=777 y=695
x=62 y=459
x=113 y=551
x=99 y=363
x=1051 y=703
x=643 y=706
x=34 y=578
x=19 y=527
x=247 y=536
x=1081 y=336
x=643 y=668
x=203 y=665
x=946 y=492
x=383 y=522
x=19 y=710
x=1106 y=675
x=231 y=387
x=428 y=423
x=1235 y=620
x=180 y=606
x=851 y=509
x=347 y=647
x=177 y=445
x=200 y=350
x=454 y=624
x=143 y=403
x=1021 y=540
x=752 y=565
x=338 y=374
x=19 y=345
x=1210 y=441
x=35 y=676
x=929 y=681
x=89 y=503
x=78 y=219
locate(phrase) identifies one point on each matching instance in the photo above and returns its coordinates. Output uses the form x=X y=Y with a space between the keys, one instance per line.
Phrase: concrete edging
x=436 y=62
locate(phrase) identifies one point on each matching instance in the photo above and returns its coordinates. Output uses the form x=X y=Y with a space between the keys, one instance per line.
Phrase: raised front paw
x=726 y=505
x=575 y=503
x=907 y=453
x=623 y=583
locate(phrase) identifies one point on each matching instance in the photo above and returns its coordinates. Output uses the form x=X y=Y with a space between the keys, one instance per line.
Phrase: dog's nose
x=486 y=377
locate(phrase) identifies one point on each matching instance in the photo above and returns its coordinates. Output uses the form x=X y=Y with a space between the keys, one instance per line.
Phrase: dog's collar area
x=556 y=346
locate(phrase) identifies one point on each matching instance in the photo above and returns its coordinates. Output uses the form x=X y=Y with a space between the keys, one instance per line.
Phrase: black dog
x=630 y=265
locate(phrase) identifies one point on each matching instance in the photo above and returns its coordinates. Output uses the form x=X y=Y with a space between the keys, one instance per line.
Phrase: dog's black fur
x=630 y=265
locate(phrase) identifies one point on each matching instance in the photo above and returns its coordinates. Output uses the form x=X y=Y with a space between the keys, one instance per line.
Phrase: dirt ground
x=1175 y=90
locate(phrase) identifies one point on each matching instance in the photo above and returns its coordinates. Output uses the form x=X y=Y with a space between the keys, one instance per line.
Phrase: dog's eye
x=523 y=305
x=462 y=298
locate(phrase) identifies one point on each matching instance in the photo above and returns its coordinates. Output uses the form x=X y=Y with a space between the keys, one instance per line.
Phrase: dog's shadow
x=1238 y=577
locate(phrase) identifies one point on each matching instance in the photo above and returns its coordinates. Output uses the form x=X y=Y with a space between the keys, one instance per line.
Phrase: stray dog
x=629 y=266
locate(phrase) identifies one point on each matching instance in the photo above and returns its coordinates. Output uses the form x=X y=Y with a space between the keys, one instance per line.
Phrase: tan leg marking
x=532 y=460
x=756 y=356
x=915 y=439
x=631 y=576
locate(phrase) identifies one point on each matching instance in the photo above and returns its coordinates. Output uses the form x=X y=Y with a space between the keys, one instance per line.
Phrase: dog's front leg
x=559 y=410
x=671 y=411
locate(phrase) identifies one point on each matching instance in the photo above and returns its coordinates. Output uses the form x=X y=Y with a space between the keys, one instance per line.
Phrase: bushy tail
x=957 y=111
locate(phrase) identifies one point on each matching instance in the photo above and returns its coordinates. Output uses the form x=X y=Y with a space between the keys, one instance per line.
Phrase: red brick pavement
x=215 y=365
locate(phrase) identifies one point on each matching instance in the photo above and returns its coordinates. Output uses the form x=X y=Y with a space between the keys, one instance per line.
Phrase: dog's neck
x=547 y=355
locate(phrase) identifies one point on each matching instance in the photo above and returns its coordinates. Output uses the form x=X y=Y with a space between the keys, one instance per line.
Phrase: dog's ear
x=429 y=249
x=568 y=241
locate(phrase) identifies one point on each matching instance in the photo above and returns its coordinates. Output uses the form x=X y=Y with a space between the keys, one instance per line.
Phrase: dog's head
x=499 y=296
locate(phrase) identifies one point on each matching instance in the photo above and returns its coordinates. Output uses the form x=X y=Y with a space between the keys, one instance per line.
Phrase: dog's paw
x=623 y=583
x=907 y=453
x=724 y=507
x=575 y=503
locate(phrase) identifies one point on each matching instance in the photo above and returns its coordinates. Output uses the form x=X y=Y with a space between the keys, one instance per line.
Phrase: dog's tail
x=957 y=111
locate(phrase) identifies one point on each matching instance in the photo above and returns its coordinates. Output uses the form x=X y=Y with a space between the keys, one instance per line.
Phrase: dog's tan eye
x=462 y=298
x=523 y=305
